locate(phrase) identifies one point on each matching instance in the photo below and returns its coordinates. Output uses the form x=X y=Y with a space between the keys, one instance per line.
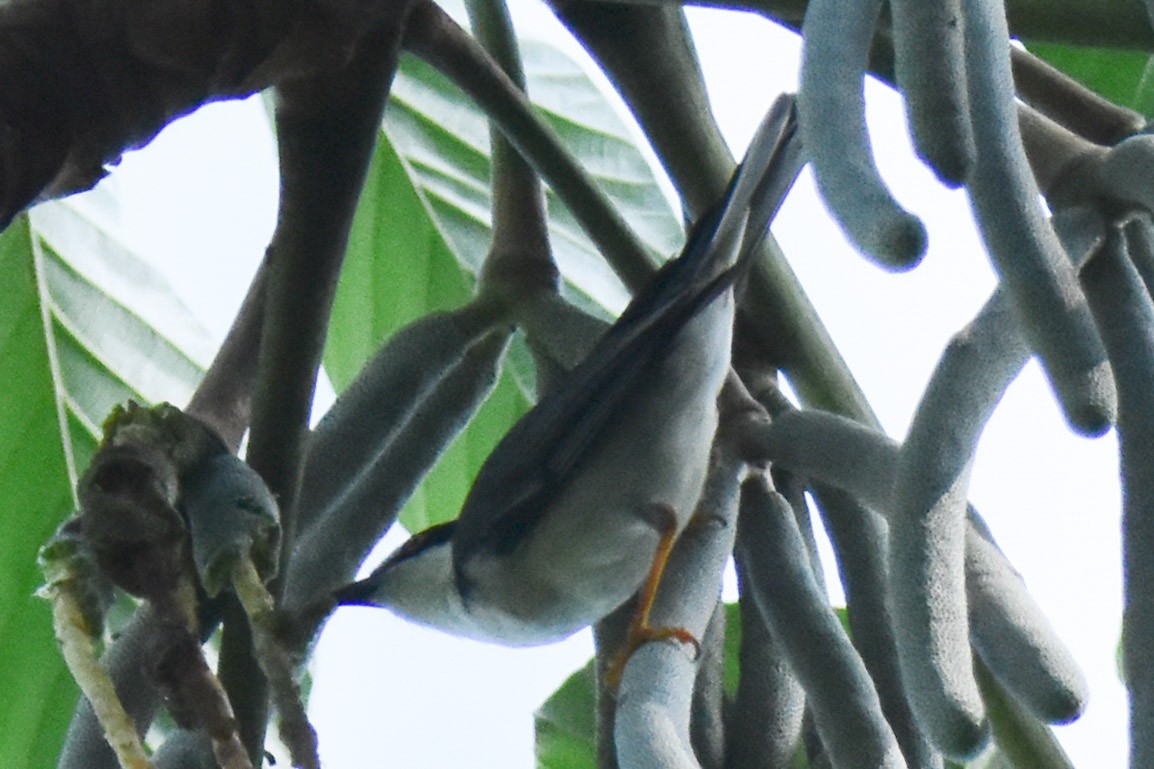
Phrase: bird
x=578 y=505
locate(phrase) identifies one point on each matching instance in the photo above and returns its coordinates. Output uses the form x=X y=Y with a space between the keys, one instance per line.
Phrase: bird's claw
x=638 y=636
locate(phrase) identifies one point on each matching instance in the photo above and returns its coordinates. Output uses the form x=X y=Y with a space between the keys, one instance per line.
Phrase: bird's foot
x=638 y=637
x=640 y=630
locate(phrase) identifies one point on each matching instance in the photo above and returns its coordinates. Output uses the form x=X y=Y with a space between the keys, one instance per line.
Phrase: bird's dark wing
x=533 y=461
x=535 y=458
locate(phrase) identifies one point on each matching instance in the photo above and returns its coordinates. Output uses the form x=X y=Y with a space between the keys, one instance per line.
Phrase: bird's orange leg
x=640 y=630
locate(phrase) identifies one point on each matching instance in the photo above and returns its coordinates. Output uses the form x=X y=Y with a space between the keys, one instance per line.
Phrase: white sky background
x=201 y=200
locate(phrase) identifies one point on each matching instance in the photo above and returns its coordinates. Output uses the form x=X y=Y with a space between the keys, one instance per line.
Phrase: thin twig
x=648 y=54
x=223 y=399
x=76 y=645
x=296 y=731
x=519 y=258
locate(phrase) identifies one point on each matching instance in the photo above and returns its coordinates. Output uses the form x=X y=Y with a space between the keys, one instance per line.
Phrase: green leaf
x=75 y=342
x=116 y=330
x=1124 y=77
x=398 y=268
x=445 y=141
x=422 y=230
x=34 y=496
x=566 y=722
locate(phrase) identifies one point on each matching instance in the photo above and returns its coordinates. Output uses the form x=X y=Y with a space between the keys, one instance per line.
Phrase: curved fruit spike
x=385 y=473
x=1125 y=315
x=231 y=517
x=764 y=727
x=782 y=583
x=831 y=109
x=1025 y=250
x=1007 y=627
x=1016 y=641
x=412 y=363
x=930 y=65
x=1125 y=172
x=859 y=540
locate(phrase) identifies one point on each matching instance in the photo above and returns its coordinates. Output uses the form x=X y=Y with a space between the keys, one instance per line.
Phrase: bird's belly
x=525 y=605
x=594 y=547
x=588 y=558
x=548 y=592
